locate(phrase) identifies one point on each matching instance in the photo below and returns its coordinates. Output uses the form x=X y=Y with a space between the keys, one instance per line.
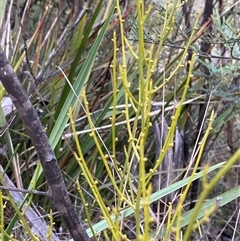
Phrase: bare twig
x=14 y=189
x=40 y=76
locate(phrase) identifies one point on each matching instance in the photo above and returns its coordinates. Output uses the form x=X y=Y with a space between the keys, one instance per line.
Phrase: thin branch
x=40 y=76
x=57 y=188
x=14 y=189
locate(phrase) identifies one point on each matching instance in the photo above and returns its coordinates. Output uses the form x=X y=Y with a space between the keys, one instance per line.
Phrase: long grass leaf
x=78 y=86
x=154 y=197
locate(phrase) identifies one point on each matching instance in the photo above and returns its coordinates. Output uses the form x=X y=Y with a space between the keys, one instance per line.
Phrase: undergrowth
x=136 y=111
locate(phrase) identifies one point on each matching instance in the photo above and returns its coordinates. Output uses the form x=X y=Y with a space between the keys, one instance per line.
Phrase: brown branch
x=205 y=48
x=34 y=128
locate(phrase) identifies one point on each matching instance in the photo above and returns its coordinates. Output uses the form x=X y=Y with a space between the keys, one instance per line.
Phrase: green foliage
x=94 y=82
